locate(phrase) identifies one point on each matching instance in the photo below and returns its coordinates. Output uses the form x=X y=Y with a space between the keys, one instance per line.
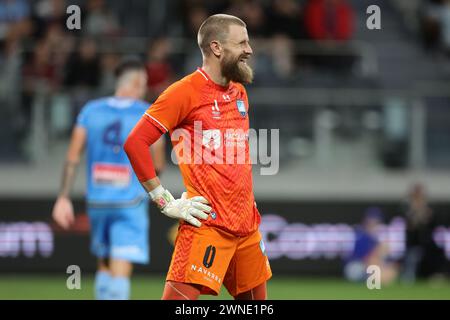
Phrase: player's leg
x=129 y=244
x=199 y=262
x=174 y=290
x=257 y=293
x=102 y=280
x=120 y=268
x=120 y=271
x=98 y=221
x=247 y=275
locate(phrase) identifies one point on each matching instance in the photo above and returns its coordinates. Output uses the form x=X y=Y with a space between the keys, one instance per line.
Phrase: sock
x=101 y=285
x=119 y=288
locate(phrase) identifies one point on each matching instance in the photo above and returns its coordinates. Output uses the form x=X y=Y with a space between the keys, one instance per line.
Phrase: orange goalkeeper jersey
x=209 y=128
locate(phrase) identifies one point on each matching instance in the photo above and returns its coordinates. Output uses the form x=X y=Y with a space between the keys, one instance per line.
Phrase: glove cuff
x=161 y=197
x=156 y=192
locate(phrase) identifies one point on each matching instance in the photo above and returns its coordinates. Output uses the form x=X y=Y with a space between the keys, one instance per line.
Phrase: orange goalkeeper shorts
x=210 y=256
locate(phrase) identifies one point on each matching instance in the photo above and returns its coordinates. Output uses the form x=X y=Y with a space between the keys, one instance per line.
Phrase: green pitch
x=150 y=287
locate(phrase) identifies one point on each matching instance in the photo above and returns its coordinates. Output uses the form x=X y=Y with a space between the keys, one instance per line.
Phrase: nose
x=248 y=50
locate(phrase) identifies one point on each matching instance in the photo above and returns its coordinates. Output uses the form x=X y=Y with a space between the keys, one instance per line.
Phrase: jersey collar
x=211 y=82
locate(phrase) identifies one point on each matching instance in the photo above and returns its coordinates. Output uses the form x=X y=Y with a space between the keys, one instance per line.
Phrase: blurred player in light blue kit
x=116 y=202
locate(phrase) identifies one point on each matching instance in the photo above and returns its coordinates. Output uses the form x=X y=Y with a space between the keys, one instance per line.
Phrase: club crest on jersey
x=241 y=107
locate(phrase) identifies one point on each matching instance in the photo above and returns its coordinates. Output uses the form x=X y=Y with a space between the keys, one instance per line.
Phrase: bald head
x=216 y=27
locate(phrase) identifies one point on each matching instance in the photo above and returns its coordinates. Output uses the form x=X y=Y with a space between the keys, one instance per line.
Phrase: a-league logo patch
x=241 y=107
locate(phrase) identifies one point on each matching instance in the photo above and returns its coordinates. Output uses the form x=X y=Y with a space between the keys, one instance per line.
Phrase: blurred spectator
x=329 y=20
x=39 y=76
x=39 y=72
x=13 y=13
x=61 y=45
x=83 y=67
x=284 y=18
x=194 y=18
x=443 y=16
x=83 y=73
x=10 y=63
x=368 y=250
x=254 y=15
x=10 y=80
x=159 y=70
x=99 y=21
x=418 y=216
x=282 y=56
x=192 y=58
x=109 y=62
x=47 y=14
x=431 y=24
x=445 y=25
x=436 y=25
x=422 y=256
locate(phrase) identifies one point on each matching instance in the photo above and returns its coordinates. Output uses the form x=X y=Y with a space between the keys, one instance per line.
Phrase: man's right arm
x=63 y=210
x=137 y=148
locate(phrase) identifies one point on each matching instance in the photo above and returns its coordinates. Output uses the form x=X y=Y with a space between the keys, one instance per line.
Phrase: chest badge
x=241 y=107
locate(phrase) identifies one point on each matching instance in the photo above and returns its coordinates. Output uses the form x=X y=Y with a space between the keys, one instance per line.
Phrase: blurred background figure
x=423 y=257
x=83 y=73
x=368 y=250
x=329 y=20
x=100 y=21
x=159 y=69
x=418 y=221
x=117 y=204
x=332 y=24
x=39 y=74
x=14 y=16
x=193 y=19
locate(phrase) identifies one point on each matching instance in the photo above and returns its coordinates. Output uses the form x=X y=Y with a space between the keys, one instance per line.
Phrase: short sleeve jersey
x=209 y=129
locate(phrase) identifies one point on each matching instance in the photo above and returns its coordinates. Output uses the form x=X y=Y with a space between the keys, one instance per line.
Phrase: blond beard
x=236 y=71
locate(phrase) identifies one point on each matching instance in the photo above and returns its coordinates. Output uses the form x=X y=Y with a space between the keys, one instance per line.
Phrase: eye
x=244 y=43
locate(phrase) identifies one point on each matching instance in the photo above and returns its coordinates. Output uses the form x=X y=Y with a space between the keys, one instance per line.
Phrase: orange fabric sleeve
x=172 y=106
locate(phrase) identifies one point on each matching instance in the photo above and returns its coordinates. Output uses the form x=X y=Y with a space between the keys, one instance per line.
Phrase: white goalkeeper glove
x=183 y=208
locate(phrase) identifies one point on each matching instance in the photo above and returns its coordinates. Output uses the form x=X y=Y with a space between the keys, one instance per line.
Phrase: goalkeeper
x=218 y=239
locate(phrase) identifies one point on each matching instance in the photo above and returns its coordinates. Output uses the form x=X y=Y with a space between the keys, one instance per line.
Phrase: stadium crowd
x=38 y=53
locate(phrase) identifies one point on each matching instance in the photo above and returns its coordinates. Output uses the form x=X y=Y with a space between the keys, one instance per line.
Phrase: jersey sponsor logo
x=241 y=107
x=236 y=137
x=215 y=110
x=212 y=139
x=118 y=175
x=208 y=275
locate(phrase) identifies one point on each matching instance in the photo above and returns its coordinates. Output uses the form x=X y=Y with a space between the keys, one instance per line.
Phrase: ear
x=216 y=48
